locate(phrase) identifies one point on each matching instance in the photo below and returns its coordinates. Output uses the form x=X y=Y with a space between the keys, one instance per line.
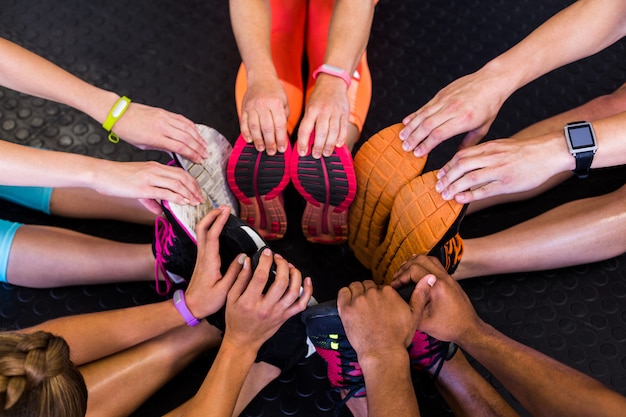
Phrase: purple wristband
x=181 y=306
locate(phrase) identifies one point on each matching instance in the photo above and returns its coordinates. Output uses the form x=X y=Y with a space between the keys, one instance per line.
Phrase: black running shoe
x=176 y=247
x=326 y=332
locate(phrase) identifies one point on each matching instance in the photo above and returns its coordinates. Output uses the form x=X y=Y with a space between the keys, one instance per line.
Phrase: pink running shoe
x=257 y=180
x=328 y=185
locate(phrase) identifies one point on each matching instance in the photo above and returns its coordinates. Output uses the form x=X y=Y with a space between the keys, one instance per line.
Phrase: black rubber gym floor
x=181 y=55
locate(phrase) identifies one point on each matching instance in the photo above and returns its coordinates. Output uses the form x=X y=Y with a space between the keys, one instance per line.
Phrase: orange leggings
x=292 y=22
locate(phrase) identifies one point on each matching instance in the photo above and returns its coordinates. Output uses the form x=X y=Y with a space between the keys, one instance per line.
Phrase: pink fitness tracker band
x=335 y=72
x=181 y=306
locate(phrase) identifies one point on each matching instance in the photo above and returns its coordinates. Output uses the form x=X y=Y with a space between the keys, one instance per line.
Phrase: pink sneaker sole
x=257 y=180
x=328 y=185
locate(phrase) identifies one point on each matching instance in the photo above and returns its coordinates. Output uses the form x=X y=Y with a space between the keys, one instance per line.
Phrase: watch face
x=581 y=137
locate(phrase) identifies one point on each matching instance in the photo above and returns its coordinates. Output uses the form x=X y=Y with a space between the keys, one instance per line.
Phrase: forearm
x=349 y=33
x=219 y=391
x=611 y=146
x=468 y=393
x=389 y=387
x=542 y=385
x=96 y=335
x=581 y=30
x=251 y=22
x=51 y=168
x=24 y=71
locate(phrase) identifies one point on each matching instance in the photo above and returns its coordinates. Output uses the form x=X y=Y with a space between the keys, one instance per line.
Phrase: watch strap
x=583 y=159
x=583 y=164
x=181 y=306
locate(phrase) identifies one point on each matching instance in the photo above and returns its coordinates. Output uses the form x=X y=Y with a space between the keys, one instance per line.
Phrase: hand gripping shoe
x=176 y=247
x=211 y=173
x=425 y=352
x=328 y=185
x=288 y=345
x=382 y=168
x=258 y=180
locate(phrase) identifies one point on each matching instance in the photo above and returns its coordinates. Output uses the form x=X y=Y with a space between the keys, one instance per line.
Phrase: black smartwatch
x=582 y=144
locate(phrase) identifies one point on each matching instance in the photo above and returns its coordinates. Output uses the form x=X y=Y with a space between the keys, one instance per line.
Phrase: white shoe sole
x=211 y=174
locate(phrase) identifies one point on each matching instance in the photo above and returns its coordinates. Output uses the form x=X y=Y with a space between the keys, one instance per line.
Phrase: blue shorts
x=36 y=198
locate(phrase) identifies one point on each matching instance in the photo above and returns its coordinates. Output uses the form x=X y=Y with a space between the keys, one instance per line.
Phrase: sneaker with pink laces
x=325 y=331
x=175 y=244
x=428 y=353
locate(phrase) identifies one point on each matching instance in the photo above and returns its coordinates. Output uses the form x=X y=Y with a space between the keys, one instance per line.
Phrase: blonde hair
x=37 y=377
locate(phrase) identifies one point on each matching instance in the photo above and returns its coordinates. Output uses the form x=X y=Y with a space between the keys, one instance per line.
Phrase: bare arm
x=251 y=318
x=507 y=166
x=376 y=320
x=328 y=107
x=96 y=335
x=141 y=125
x=471 y=103
x=265 y=109
x=542 y=385
x=27 y=166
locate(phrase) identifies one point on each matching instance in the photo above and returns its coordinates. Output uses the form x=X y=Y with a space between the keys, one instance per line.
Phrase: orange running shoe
x=450 y=253
x=382 y=168
x=420 y=221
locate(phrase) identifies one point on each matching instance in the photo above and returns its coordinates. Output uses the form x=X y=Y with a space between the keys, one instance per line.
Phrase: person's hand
x=149 y=127
x=253 y=317
x=264 y=113
x=469 y=104
x=376 y=319
x=449 y=314
x=327 y=112
x=147 y=181
x=208 y=288
x=497 y=167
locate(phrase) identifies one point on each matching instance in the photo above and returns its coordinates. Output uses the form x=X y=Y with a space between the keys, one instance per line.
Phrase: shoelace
x=164 y=239
x=436 y=353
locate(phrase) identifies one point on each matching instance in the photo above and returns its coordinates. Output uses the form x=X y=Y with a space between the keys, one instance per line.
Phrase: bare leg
x=598 y=108
x=558 y=238
x=44 y=257
x=467 y=392
x=357 y=406
x=260 y=375
x=112 y=382
x=84 y=203
x=353 y=136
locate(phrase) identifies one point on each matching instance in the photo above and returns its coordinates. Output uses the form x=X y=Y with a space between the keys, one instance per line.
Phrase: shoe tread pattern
x=258 y=180
x=382 y=168
x=328 y=185
x=420 y=219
